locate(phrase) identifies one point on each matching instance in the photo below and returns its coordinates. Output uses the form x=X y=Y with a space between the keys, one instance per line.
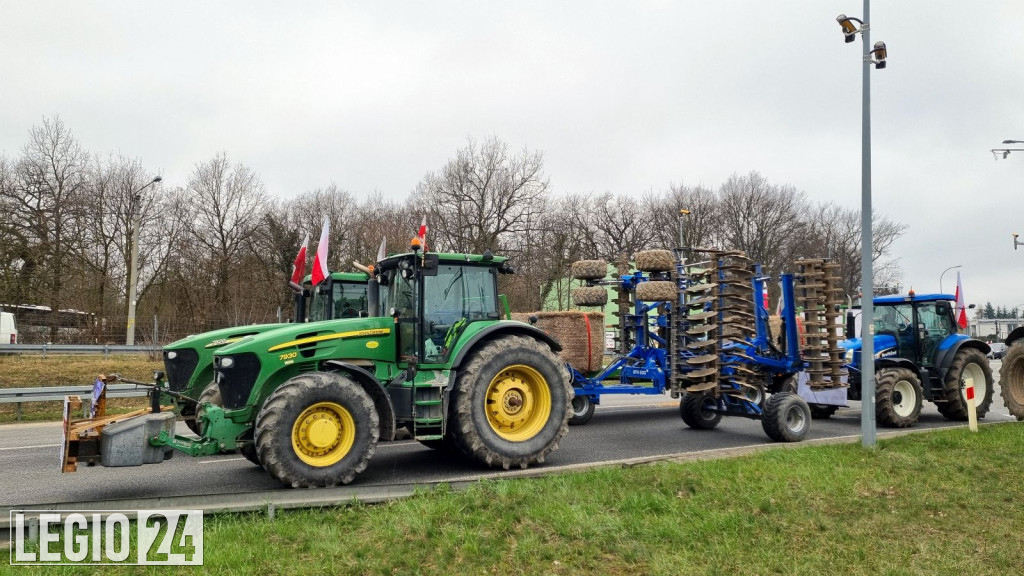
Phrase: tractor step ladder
x=427 y=408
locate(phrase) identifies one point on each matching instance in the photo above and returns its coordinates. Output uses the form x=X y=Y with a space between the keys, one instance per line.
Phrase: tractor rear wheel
x=317 y=429
x=898 y=397
x=968 y=365
x=511 y=403
x=697 y=410
x=1011 y=379
x=582 y=410
x=786 y=417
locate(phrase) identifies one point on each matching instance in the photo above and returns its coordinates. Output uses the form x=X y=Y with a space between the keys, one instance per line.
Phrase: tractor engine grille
x=237 y=381
x=179 y=365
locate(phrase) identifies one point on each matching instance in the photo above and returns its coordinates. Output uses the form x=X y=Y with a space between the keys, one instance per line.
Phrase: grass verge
x=947 y=502
x=29 y=371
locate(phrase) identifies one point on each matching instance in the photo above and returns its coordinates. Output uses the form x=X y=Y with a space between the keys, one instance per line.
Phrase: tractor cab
x=341 y=295
x=914 y=327
x=435 y=297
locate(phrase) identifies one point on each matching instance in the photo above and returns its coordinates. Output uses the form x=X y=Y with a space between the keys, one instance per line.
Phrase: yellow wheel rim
x=518 y=403
x=323 y=434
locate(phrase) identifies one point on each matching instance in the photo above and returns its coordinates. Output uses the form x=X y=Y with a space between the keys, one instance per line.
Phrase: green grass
x=28 y=371
x=945 y=502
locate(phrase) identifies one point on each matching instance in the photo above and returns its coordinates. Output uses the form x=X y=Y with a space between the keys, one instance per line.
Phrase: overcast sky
x=620 y=96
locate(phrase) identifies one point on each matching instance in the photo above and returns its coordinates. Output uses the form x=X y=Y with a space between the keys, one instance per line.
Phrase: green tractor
x=189 y=361
x=309 y=402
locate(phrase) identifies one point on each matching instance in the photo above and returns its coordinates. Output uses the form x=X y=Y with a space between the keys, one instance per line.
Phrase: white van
x=8 y=329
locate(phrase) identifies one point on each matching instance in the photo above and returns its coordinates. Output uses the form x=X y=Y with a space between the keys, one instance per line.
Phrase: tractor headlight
x=226 y=362
x=172 y=355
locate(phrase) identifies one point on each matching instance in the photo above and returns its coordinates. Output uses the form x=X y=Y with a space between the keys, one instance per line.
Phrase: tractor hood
x=885 y=345
x=296 y=343
x=217 y=338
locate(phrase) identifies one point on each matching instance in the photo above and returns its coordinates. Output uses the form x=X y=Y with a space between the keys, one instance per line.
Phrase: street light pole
x=873 y=55
x=133 y=273
x=944 y=273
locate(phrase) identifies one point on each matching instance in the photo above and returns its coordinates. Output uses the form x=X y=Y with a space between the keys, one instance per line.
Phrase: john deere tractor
x=920 y=354
x=189 y=361
x=311 y=401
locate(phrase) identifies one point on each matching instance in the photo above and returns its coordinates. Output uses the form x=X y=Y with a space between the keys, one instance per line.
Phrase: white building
x=983 y=328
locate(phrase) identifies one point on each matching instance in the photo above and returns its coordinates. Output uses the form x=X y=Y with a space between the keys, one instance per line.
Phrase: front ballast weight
x=701 y=331
x=144 y=436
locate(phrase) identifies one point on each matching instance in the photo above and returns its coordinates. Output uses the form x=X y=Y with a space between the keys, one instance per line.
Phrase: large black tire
x=582 y=410
x=331 y=419
x=786 y=417
x=655 y=260
x=589 y=296
x=898 y=397
x=250 y=453
x=657 y=291
x=692 y=409
x=1011 y=379
x=209 y=394
x=511 y=403
x=822 y=411
x=968 y=364
x=589 y=269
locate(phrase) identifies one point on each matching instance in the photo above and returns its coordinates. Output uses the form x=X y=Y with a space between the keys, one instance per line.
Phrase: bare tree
x=700 y=226
x=482 y=196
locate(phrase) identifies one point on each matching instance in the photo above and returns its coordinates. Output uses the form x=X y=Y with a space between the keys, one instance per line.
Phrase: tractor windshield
x=337 y=300
x=453 y=298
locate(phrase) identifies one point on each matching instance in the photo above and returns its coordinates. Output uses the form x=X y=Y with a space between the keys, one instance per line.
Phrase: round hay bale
x=656 y=291
x=590 y=296
x=589 y=269
x=655 y=260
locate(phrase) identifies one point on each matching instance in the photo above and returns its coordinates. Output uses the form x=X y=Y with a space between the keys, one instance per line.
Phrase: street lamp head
x=879 y=54
x=158 y=179
x=1013 y=141
x=849 y=28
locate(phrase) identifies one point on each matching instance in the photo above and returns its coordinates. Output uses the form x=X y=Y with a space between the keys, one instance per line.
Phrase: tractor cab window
x=334 y=300
x=897 y=321
x=401 y=294
x=935 y=323
x=455 y=297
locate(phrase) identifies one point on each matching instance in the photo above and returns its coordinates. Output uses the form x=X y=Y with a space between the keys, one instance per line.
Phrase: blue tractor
x=919 y=354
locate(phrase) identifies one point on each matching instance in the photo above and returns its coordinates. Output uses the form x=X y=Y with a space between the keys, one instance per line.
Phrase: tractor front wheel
x=969 y=365
x=1011 y=379
x=511 y=403
x=582 y=410
x=898 y=397
x=317 y=429
x=786 y=417
x=697 y=410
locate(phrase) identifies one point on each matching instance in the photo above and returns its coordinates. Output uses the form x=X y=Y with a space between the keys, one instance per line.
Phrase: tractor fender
x=944 y=356
x=1017 y=334
x=895 y=363
x=373 y=387
x=502 y=329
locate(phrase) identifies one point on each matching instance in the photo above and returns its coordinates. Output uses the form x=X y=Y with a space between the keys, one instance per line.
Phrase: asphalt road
x=623 y=427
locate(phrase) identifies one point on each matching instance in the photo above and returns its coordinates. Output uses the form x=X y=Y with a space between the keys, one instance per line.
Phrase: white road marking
x=29 y=447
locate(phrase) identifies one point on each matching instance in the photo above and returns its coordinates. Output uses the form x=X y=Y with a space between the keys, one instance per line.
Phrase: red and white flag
x=961 y=310
x=423 y=234
x=382 y=252
x=320 y=262
x=299 y=266
x=764 y=295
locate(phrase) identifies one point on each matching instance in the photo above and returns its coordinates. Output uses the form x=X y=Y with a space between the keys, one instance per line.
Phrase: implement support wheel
x=786 y=418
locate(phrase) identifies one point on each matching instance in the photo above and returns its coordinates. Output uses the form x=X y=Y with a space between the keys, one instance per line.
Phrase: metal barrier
x=105 y=349
x=57 y=393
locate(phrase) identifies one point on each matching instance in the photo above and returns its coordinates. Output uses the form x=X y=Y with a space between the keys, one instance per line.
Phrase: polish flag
x=320 y=262
x=764 y=295
x=961 y=310
x=299 y=266
x=423 y=234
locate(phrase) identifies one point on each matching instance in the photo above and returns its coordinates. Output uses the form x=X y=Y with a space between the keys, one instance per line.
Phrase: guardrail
x=105 y=349
x=57 y=393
